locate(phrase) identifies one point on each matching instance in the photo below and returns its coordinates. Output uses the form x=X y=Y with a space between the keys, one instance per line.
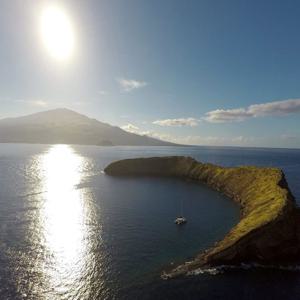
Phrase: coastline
x=268 y=230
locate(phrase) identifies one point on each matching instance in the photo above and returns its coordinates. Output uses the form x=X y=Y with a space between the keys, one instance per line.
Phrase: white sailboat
x=180 y=220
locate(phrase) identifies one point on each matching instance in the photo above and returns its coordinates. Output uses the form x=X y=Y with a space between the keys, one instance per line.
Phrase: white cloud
x=127 y=85
x=130 y=128
x=193 y=139
x=135 y=129
x=177 y=122
x=213 y=140
x=157 y=135
x=276 y=108
x=40 y=103
x=228 y=115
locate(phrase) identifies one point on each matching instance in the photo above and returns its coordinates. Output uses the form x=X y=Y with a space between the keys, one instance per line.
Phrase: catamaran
x=180 y=220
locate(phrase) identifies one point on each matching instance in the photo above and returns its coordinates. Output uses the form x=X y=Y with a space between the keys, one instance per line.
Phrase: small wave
x=221 y=269
x=210 y=271
x=32 y=194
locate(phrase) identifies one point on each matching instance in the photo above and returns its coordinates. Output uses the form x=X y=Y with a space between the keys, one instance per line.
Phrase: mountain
x=64 y=126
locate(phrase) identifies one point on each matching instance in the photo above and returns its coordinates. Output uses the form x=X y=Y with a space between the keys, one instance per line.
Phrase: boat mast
x=181 y=208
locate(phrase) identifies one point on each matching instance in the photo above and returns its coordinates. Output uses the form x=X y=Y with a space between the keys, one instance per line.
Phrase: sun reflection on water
x=64 y=215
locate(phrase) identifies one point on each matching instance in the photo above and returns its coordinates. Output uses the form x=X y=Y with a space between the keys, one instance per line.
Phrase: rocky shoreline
x=268 y=231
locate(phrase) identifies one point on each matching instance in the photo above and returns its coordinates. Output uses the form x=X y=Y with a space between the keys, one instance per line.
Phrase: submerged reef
x=268 y=230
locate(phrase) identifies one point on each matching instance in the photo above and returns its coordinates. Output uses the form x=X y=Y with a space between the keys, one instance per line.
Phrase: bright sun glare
x=57 y=32
x=64 y=211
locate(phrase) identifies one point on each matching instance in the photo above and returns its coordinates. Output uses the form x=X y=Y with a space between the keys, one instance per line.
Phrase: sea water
x=68 y=231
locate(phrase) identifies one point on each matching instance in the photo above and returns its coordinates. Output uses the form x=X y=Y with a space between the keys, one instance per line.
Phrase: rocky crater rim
x=268 y=229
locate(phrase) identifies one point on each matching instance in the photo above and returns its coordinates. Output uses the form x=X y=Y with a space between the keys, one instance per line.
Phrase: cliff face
x=268 y=230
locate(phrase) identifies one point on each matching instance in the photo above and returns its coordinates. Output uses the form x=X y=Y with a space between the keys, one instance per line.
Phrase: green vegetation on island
x=268 y=230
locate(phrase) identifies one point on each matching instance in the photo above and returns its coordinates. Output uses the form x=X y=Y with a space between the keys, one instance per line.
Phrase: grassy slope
x=258 y=190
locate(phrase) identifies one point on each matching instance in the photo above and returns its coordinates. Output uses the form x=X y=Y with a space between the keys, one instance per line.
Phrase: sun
x=57 y=32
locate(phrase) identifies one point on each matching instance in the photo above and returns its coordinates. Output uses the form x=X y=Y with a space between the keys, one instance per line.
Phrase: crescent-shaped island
x=268 y=231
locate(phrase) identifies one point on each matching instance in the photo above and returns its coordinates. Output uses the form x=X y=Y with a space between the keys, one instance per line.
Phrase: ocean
x=68 y=231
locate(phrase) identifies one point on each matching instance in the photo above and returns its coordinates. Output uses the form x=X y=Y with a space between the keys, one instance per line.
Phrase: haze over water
x=68 y=231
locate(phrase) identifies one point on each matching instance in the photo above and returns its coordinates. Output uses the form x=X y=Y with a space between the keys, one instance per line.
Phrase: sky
x=196 y=72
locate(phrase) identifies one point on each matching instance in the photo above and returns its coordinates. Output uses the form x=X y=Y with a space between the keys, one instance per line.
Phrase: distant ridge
x=64 y=126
